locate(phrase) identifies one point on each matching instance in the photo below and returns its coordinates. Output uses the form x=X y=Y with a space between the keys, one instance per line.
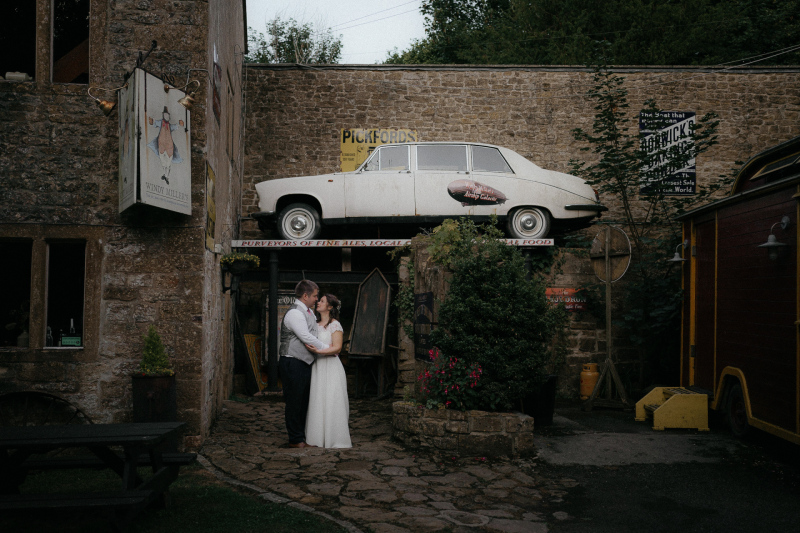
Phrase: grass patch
x=200 y=503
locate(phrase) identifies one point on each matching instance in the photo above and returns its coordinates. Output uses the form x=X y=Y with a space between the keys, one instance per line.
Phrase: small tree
x=622 y=165
x=493 y=315
x=154 y=358
x=289 y=41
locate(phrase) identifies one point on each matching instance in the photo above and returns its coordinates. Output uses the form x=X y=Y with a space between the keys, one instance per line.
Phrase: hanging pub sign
x=662 y=131
x=155 y=136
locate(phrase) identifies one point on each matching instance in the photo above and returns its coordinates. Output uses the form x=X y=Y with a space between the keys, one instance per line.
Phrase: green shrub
x=493 y=315
x=154 y=358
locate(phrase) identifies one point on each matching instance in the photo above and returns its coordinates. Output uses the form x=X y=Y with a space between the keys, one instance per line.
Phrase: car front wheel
x=529 y=223
x=299 y=222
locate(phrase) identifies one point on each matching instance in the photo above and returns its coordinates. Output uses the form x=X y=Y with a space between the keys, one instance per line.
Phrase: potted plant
x=154 y=394
x=238 y=263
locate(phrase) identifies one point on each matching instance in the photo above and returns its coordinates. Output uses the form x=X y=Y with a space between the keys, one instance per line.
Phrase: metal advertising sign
x=211 y=208
x=573 y=299
x=358 y=143
x=662 y=131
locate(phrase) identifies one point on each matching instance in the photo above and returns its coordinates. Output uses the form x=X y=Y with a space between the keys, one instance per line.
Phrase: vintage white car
x=426 y=183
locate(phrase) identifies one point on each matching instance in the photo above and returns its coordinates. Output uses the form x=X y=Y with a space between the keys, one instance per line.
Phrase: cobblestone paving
x=378 y=484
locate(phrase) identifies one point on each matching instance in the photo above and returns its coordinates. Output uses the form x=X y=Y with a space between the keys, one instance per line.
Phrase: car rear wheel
x=529 y=223
x=736 y=412
x=299 y=222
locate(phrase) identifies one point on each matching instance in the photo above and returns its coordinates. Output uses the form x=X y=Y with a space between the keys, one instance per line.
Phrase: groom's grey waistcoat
x=290 y=344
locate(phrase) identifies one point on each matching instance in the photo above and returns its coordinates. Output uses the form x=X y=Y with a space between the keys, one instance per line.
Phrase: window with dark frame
x=18 y=38
x=443 y=157
x=488 y=159
x=66 y=277
x=15 y=305
x=71 y=41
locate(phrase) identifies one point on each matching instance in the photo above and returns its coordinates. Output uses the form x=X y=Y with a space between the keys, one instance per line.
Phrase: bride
x=328 y=405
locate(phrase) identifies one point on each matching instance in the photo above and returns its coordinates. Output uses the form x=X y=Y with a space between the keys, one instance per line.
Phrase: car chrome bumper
x=586 y=207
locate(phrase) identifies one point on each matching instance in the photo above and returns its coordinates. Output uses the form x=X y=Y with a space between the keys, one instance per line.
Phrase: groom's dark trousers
x=296 y=377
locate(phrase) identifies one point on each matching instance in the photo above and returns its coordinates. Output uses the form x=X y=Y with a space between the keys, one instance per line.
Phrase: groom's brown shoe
x=297 y=445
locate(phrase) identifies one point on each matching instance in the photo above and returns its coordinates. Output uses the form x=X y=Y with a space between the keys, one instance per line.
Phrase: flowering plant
x=228 y=259
x=450 y=382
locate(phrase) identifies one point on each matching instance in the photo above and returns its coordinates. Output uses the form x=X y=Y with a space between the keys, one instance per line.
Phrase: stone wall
x=58 y=180
x=295 y=117
x=463 y=433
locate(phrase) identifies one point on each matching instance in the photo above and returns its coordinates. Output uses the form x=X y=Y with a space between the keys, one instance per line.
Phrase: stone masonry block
x=433 y=427
x=455 y=426
x=486 y=424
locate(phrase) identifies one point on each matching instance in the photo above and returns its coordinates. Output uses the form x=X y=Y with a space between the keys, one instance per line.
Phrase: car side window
x=389 y=158
x=442 y=157
x=488 y=159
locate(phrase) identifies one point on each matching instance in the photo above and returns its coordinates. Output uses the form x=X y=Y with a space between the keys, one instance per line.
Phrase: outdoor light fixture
x=105 y=106
x=188 y=100
x=677 y=257
x=772 y=245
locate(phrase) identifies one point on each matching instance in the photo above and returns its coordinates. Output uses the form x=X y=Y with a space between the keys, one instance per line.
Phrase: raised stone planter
x=464 y=433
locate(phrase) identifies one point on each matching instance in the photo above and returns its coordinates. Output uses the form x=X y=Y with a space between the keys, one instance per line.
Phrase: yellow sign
x=358 y=143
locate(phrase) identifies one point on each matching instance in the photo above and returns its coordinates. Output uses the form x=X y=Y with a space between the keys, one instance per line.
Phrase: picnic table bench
x=20 y=449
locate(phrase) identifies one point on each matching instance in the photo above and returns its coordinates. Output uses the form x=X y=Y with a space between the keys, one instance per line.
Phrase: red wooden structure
x=742 y=300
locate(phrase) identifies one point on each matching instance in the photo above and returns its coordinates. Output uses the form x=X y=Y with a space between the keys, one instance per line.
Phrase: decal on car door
x=470 y=192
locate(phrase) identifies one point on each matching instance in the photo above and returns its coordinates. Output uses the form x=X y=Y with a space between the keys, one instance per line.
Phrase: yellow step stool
x=674 y=407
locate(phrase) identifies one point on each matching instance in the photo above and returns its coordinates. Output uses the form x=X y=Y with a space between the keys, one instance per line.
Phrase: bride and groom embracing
x=314 y=381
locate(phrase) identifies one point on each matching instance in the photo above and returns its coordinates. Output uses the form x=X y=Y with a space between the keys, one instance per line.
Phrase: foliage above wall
x=564 y=32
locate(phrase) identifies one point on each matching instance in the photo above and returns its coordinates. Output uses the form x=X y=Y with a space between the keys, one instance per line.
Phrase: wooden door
x=705 y=305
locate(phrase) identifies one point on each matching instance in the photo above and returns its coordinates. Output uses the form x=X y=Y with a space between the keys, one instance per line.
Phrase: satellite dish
x=619 y=253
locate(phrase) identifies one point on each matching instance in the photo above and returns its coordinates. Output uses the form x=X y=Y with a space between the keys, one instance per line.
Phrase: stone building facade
x=146 y=266
x=296 y=115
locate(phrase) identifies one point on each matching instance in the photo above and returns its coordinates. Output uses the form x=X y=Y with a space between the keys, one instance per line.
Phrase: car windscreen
x=389 y=158
x=442 y=157
x=488 y=159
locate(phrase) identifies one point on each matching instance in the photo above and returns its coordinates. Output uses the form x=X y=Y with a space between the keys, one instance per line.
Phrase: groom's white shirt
x=296 y=322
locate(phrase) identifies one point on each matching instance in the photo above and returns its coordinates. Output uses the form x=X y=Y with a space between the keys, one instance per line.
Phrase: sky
x=369 y=29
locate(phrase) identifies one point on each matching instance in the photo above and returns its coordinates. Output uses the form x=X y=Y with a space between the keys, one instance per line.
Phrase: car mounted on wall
x=425 y=183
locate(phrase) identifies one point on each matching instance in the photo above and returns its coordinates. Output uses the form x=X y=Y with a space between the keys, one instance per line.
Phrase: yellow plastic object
x=589 y=378
x=674 y=407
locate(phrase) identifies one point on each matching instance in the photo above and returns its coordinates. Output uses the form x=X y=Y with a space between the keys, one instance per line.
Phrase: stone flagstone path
x=379 y=485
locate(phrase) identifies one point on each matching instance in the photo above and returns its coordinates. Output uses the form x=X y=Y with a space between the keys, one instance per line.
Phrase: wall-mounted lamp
x=677 y=257
x=772 y=245
x=105 y=106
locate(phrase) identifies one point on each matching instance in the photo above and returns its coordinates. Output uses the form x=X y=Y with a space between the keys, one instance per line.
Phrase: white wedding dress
x=327 y=422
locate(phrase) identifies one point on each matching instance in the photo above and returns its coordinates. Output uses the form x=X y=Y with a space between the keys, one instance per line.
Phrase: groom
x=299 y=328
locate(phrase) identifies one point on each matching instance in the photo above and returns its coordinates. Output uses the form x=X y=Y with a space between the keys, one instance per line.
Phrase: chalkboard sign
x=368 y=334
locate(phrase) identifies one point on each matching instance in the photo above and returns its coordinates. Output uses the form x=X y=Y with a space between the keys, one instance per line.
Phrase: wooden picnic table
x=140 y=443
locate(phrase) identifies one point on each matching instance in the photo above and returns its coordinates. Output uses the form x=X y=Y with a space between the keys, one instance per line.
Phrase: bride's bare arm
x=337 y=338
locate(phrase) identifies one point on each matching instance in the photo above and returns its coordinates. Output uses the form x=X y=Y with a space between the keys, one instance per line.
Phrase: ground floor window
x=66 y=273
x=15 y=305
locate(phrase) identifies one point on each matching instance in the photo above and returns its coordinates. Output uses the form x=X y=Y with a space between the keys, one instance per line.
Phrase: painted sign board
x=573 y=299
x=211 y=208
x=662 y=131
x=155 y=137
x=362 y=243
x=358 y=143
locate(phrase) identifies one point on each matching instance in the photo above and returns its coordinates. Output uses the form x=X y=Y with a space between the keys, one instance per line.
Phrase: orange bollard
x=589 y=378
